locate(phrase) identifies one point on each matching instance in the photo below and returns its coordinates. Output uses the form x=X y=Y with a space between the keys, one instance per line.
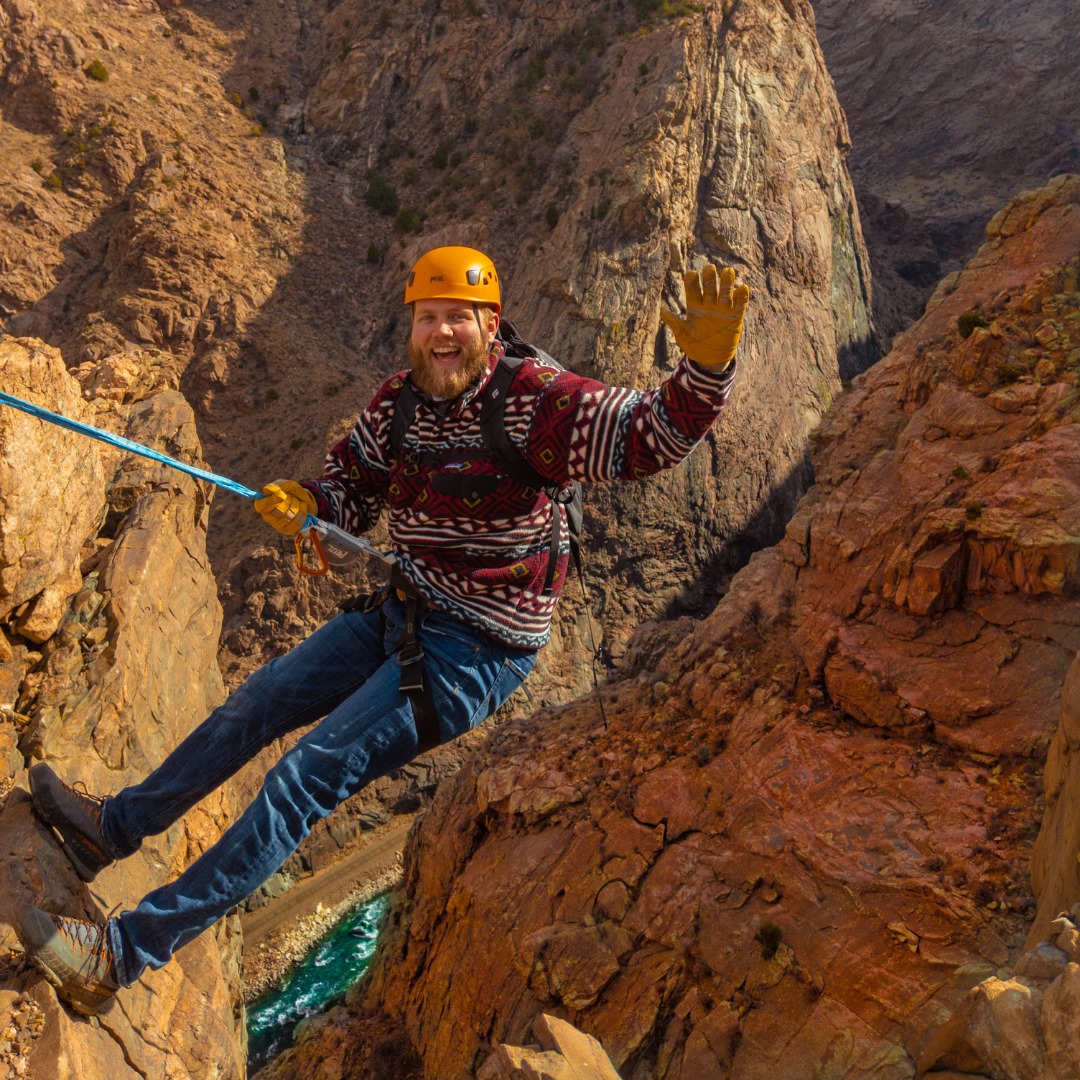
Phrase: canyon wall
x=954 y=108
x=206 y=214
x=243 y=189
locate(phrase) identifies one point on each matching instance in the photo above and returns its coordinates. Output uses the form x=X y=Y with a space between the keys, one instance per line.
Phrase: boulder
x=53 y=485
x=564 y=1053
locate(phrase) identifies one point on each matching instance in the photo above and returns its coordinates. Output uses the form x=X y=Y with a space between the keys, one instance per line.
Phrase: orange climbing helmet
x=454 y=273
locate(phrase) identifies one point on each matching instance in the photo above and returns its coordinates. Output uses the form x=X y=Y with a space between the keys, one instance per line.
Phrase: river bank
x=280 y=934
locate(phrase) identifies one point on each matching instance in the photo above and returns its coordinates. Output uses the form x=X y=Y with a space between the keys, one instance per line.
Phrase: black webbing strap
x=414 y=683
x=556 y=540
x=404 y=414
x=495 y=435
x=366 y=602
x=493 y=427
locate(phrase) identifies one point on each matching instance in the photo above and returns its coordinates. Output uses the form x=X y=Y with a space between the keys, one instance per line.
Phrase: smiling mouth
x=445 y=356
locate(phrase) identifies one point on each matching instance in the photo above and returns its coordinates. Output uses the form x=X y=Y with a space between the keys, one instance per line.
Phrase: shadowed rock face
x=791 y=845
x=953 y=109
x=110 y=662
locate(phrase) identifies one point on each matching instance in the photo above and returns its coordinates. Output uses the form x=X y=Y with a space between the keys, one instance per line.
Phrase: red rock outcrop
x=802 y=836
x=1022 y=1027
x=1055 y=868
x=105 y=664
x=563 y=1053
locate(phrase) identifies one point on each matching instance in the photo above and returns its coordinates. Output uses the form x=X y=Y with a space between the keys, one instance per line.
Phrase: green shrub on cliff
x=381 y=195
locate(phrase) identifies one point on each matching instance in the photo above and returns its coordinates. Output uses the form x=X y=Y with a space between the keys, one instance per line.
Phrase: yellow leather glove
x=715 y=305
x=285 y=505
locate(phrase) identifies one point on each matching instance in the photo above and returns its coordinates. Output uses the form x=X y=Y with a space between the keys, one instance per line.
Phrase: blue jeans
x=345 y=672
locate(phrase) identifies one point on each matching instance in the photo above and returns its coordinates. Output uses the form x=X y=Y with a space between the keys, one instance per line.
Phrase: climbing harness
x=410 y=655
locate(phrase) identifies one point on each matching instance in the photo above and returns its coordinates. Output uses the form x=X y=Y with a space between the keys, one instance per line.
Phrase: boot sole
x=58 y=986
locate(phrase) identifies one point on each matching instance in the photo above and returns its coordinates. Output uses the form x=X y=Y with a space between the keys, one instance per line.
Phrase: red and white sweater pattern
x=484 y=560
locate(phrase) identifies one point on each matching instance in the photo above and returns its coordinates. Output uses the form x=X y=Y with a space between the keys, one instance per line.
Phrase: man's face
x=448 y=350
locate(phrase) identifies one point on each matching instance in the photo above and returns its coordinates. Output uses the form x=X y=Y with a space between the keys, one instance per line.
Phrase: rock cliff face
x=208 y=209
x=954 y=108
x=800 y=840
x=626 y=149
x=107 y=660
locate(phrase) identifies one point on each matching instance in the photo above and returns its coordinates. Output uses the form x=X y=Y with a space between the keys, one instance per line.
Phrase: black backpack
x=566 y=502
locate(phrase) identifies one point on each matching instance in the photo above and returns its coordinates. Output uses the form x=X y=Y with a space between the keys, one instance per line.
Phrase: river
x=321 y=980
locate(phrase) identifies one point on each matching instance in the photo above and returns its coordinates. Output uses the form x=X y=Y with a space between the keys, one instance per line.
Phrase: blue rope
x=126 y=444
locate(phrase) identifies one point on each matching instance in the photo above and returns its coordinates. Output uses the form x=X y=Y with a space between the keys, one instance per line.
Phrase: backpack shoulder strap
x=404 y=414
x=565 y=505
x=493 y=426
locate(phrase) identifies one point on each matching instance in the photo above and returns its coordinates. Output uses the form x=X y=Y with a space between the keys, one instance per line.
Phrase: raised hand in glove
x=285 y=505
x=715 y=305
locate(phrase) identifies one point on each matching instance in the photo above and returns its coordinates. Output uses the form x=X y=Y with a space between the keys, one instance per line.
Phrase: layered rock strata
x=801 y=836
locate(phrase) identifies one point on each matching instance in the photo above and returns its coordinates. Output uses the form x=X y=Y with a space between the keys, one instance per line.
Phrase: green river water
x=322 y=979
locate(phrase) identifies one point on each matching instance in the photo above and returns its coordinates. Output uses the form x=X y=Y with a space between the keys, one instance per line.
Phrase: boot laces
x=88 y=938
x=96 y=802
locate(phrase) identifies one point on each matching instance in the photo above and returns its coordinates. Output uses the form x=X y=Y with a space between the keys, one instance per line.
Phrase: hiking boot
x=76 y=815
x=75 y=956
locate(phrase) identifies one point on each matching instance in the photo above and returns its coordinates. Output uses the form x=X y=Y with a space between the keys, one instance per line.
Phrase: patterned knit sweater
x=485 y=560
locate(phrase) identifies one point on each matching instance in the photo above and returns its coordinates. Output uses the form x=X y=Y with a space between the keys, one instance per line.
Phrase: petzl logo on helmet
x=436 y=277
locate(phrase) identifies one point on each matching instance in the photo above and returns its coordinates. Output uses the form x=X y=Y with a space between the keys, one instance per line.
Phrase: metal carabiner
x=311 y=570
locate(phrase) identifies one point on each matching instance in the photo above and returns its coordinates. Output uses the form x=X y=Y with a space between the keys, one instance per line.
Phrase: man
x=481 y=558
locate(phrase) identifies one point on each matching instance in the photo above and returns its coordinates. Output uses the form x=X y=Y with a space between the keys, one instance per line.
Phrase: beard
x=448 y=384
